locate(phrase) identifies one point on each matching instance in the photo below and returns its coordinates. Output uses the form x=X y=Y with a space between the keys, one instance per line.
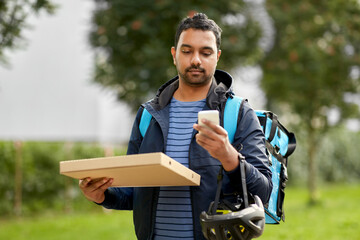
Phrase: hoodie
x=249 y=141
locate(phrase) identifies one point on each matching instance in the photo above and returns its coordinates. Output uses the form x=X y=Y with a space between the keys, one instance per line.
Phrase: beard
x=201 y=78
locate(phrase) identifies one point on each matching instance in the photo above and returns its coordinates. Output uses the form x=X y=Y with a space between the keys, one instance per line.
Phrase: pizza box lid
x=138 y=170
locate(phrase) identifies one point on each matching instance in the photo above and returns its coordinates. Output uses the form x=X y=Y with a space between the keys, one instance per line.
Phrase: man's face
x=196 y=57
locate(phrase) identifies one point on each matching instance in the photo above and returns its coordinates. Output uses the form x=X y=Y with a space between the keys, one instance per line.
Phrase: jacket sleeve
x=121 y=198
x=250 y=141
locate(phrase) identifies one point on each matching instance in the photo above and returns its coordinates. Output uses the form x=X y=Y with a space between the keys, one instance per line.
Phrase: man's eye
x=207 y=53
x=185 y=51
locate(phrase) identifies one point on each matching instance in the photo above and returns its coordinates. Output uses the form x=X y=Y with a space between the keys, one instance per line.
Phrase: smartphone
x=211 y=115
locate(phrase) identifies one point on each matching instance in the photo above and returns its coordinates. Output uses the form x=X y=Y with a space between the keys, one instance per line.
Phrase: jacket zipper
x=153 y=213
x=191 y=191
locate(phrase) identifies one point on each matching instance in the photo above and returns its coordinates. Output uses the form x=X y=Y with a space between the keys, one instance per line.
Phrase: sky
x=47 y=92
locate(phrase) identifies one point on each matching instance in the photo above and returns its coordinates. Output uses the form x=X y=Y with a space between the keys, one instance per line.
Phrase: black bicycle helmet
x=233 y=222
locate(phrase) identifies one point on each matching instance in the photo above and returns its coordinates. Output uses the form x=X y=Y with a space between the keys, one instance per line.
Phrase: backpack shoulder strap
x=231 y=115
x=144 y=122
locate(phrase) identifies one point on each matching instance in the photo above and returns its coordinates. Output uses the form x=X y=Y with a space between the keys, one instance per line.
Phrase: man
x=173 y=212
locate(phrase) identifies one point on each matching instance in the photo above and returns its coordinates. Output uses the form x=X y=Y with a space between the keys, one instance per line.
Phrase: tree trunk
x=18 y=178
x=68 y=208
x=108 y=152
x=312 y=172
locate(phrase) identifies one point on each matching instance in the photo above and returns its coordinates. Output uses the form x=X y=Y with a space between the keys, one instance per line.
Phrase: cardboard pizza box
x=138 y=170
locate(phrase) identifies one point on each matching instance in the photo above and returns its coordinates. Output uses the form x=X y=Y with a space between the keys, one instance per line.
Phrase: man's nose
x=195 y=60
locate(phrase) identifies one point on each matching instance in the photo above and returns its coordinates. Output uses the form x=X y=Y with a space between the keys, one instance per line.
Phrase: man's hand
x=94 y=190
x=215 y=140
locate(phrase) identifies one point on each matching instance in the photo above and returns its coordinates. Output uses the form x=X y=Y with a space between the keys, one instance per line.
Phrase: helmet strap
x=218 y=191
x=243 y=180
x=243 y=183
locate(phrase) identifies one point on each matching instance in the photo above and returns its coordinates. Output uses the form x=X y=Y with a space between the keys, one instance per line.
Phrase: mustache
x=194 y=68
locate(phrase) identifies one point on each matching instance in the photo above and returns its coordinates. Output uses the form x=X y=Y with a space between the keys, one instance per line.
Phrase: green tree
x=13 y=16
x=133 y=41
x=314 y=66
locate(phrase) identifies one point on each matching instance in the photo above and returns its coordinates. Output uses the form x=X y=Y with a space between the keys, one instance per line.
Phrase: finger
x=207 y=134
x=214 y=143
x=204 y=130
x=215 y=127
x=205 y=141
x=107 y=184
x=211 y=128
x=84 y=182
x=98 y=183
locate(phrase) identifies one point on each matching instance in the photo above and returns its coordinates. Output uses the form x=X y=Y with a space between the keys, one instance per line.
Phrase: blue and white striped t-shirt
x=174 y=212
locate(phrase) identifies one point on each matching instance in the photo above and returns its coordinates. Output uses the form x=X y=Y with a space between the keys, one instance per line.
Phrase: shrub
x=42 y=187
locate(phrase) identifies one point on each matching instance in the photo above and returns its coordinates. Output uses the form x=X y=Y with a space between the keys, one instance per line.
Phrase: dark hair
x=201 y=22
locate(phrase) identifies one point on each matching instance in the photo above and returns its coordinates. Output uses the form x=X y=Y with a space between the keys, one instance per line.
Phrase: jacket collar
x=220 y=89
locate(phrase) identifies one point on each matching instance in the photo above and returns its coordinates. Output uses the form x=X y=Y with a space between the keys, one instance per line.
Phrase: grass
x=90 y=226
x=337 y=216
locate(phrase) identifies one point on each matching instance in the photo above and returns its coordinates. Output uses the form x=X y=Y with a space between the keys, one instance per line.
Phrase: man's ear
x=218 y=55
x=173 y=53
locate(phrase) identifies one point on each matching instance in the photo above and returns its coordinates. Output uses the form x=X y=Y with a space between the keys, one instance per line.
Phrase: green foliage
x=38 y=175
x=337 y=158
x=7 y=172
x=13 y=16
x=133 y=41
x=42 y=186
x=308 y=70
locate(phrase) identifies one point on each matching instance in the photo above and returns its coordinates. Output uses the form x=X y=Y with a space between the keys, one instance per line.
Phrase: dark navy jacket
x=249 y=140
